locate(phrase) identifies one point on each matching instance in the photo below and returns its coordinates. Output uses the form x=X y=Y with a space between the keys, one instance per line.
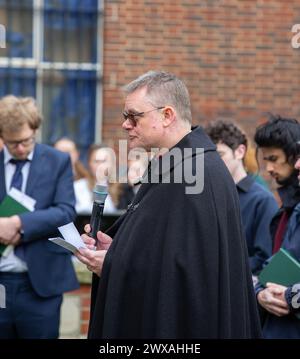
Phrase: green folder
x=10 y=207
x=282 y=269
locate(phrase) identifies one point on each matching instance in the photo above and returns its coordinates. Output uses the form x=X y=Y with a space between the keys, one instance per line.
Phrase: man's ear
x=240 y=152
x=169 y=116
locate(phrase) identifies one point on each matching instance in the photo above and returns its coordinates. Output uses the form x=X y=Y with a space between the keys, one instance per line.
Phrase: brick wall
x=84 y=293
x=235 y=56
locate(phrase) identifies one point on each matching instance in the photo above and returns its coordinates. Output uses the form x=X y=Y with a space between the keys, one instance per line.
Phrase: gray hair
x=164 y=89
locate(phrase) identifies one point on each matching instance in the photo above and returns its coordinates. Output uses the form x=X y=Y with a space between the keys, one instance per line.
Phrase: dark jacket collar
x=245 y=183
x=196 y=137
x=193 y=144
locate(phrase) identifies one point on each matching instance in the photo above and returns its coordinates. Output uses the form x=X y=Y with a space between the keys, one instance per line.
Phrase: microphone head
x=100 y=193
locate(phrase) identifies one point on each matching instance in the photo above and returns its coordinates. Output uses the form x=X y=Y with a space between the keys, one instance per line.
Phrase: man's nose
x=269 y=167
x=126 y=125
x=20 y=146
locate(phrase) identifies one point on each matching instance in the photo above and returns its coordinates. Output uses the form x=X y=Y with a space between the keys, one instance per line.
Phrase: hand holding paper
x=72 y=240
x=94 y=259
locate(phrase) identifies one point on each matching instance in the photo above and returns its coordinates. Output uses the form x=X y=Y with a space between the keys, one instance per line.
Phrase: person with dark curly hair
x=278 y=140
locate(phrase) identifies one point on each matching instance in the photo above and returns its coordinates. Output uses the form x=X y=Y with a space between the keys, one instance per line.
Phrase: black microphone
x=99 y=195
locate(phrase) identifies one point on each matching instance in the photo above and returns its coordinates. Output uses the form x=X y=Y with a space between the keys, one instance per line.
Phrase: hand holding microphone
x=103 y=241
x=99 y=194
x=94 y=259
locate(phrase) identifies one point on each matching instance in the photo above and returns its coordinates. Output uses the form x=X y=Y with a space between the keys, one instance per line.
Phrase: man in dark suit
x=35 y=273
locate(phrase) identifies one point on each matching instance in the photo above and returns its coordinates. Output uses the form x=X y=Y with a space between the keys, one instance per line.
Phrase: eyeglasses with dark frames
x=131 y=117
x=25 y=142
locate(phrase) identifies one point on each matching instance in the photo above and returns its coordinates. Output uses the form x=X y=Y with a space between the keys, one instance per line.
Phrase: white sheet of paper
x=72 y=240
x=61 y=242
x=71 y=235
x=25 y=200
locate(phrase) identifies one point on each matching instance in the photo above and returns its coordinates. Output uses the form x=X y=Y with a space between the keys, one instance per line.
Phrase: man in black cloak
x=175 y=264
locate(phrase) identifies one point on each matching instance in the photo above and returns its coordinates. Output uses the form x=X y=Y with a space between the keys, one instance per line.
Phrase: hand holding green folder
x=282 y=269
x=15 y=202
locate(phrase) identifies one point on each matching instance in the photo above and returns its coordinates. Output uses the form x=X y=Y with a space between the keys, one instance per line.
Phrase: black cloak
x=178 y=265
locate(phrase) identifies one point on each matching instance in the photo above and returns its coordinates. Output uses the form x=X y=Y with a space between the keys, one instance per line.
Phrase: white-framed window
x=54 y=53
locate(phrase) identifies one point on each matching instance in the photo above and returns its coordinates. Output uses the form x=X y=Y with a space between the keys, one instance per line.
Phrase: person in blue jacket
x=278 y=141
x=258 y=205
x=35 y=273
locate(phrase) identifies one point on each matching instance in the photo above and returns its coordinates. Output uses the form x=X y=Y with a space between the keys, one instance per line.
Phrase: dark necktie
x=17 y=179
x=16 y=182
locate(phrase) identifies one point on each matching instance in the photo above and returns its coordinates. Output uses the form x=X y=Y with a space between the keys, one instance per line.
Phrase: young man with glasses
x=35 y=273
x=176 y=263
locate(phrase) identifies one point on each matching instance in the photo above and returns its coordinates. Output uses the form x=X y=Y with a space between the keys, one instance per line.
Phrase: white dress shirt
x=84 y=199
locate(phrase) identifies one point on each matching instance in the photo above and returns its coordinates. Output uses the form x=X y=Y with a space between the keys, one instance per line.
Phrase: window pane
x=16 y=16
x=70 y=30
x=19 y=82
x=69 y=99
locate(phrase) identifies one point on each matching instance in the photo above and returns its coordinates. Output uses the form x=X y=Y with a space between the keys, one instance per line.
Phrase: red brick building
x=236 y=57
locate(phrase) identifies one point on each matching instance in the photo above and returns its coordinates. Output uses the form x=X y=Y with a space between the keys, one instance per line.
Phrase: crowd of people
x=197 y=223
x=100 y=169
